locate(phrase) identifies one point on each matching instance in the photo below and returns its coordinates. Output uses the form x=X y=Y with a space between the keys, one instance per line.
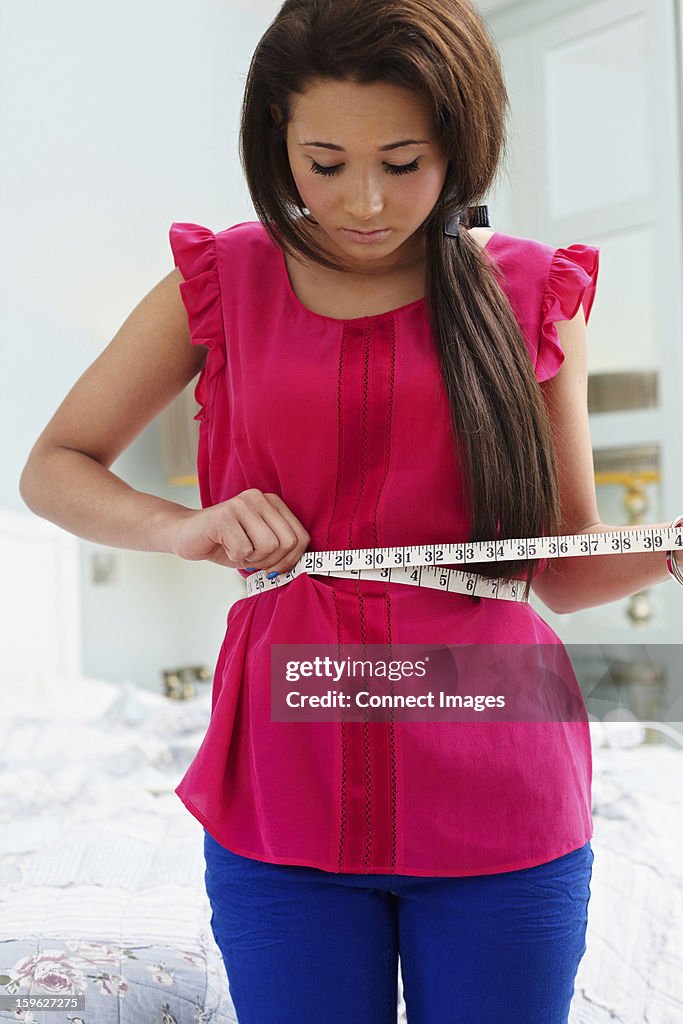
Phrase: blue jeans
x=306 y=946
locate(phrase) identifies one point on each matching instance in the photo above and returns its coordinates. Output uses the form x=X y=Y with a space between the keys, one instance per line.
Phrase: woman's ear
x=278 y=119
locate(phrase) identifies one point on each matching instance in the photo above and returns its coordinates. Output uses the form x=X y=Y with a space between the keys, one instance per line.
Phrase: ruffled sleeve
x=571 y=282
x=194 y=252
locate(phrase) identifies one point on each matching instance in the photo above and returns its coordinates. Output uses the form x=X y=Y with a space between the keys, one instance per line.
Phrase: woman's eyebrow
x=382 y=149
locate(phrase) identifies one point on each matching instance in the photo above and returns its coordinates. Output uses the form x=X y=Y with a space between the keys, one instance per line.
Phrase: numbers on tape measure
x=405 y=564
x=557 y=547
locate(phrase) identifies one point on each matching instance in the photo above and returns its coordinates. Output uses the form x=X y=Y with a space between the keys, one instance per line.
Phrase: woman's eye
x=392 y=168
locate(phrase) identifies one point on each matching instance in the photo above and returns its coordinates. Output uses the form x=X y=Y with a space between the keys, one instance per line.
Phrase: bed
x=101 y=869
x=101 y=866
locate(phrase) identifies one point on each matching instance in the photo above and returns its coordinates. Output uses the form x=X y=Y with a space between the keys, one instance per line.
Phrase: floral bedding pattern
x=102 y=969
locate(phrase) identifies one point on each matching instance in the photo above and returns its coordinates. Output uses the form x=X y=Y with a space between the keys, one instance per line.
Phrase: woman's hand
x=251 y=529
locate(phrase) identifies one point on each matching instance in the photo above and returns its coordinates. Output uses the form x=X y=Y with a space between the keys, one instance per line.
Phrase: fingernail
x=272 y=575
x=250 y=570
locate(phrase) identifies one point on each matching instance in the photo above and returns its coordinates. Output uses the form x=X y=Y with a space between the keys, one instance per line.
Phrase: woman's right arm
x=67 y=479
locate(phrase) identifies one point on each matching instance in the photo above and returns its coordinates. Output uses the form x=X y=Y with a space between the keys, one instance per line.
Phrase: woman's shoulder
x=550 y=267
x=188 y=235
x=523 y=246
x=244 y=229
x=533 y=252
x=534 y=271
x=546 y=284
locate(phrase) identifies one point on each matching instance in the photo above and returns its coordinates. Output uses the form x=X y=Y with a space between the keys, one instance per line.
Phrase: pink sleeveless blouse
x=348 y=421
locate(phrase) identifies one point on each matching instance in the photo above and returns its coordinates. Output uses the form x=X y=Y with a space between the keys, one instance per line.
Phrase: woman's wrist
x=167 y=522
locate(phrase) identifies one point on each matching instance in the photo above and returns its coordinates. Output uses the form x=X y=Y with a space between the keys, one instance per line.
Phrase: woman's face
x=336 y=142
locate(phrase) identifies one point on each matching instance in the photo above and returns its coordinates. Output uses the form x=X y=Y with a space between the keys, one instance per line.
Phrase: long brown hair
x=442 y=49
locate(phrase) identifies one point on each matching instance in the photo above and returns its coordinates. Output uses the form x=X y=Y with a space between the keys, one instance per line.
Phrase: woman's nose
x=364 y=201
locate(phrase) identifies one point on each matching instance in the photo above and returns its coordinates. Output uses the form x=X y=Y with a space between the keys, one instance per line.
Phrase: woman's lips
x=366 y=237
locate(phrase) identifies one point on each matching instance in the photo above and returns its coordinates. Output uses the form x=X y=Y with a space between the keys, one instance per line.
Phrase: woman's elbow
x=33 y=478
x=553 y=595
x=28 y=483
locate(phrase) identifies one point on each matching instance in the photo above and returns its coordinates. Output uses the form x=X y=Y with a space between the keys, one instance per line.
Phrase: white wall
x=123 y=119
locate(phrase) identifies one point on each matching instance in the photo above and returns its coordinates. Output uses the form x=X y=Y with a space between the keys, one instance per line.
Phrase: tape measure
x=422 y=565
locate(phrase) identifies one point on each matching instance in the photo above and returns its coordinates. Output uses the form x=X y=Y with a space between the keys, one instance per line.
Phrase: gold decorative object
x=643 y=683
x=180 y=683
x=632 y=469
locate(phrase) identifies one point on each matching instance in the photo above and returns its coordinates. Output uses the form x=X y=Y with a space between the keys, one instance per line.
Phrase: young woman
x=375 y=369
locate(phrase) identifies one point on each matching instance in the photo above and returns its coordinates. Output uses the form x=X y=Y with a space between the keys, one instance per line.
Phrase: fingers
x=260 y=531
x=300 y=537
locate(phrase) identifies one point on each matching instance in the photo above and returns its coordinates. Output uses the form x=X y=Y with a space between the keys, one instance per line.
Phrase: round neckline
x=294 y=298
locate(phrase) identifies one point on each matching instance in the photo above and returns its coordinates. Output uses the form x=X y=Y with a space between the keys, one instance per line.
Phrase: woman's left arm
x=572 y=584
